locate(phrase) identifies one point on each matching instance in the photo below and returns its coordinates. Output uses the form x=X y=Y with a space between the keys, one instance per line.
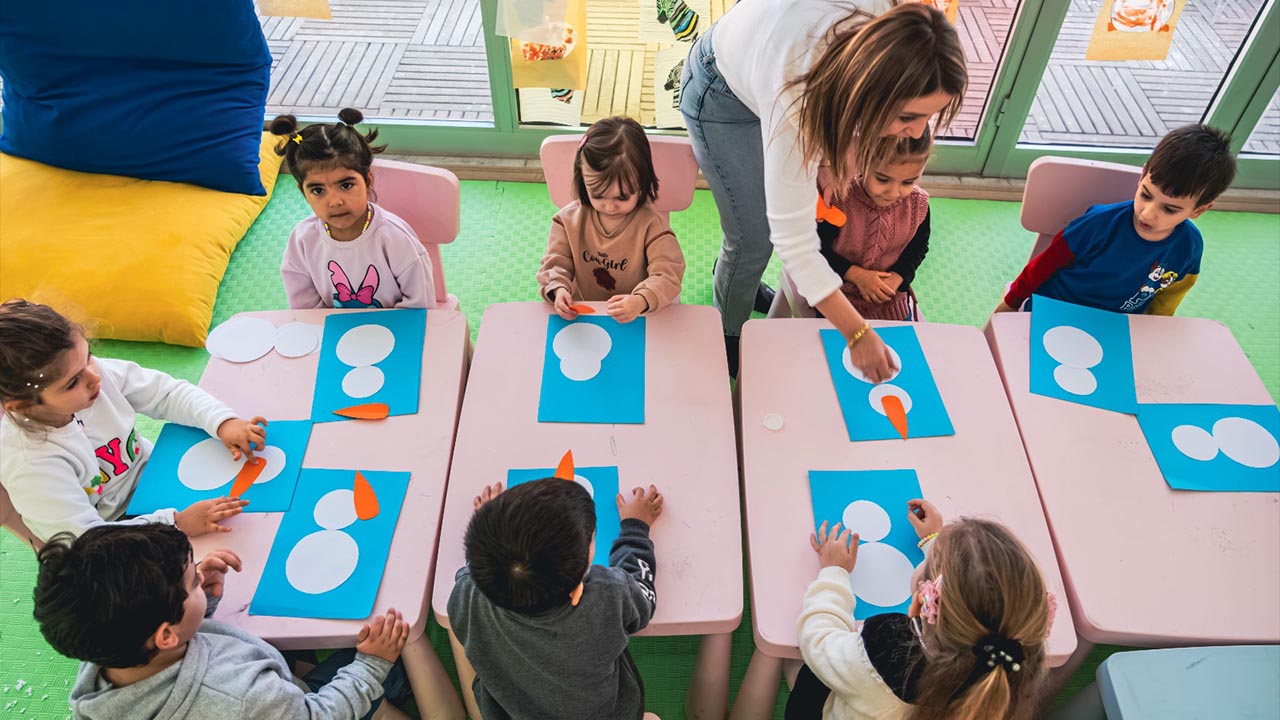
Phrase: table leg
x=1058 y=677
x=708 y=697
x=790 y=669
x=759 y=690
x=466 y=676
x=432 y=688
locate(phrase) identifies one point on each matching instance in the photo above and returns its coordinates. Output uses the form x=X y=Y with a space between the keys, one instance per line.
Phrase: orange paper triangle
x=583 y=309
x=897 y=414
x=564 y=470
x=249 y=472
x=370 y=411
x=365 y=498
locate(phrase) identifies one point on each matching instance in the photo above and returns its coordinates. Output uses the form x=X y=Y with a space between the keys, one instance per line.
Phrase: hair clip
x=298 y=138
x=583 y=141
x=1053 y=612
x=930 y=591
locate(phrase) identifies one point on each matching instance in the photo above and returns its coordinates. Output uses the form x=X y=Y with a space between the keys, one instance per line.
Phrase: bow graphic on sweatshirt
x=345 y=297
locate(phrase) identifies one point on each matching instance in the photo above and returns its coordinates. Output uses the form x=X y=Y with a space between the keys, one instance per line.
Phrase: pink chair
x=672 y=161
x=1059 y=190
x=12 y=521
x=429 y=200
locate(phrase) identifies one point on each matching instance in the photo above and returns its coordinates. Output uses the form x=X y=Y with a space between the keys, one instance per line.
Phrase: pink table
x=685 y=447
x=1147 y=565
x=979 y=471
x=280 y=388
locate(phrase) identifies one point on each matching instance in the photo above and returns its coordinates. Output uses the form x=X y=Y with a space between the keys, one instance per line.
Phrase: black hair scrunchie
x=995 y=650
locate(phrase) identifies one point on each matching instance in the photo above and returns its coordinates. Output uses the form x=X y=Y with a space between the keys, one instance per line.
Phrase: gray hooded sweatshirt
x=228 y=674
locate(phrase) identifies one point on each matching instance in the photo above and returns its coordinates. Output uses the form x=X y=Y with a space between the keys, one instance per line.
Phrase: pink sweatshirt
x=385 y=267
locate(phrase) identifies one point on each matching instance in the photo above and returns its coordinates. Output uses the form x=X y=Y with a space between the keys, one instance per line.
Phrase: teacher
x=785 y=98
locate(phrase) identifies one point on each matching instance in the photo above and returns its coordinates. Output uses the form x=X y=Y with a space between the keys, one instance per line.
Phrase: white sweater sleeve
x=157 y=395
x=830 y=641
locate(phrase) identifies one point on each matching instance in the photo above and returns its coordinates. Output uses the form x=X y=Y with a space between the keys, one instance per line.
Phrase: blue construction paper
x=927 y=416
x=604 y=480
x=159 y=486
x=833 y=490
x=402 y=369
x=614 y=395
x=1220 y=473
x=353 y=599
x=1114 y=374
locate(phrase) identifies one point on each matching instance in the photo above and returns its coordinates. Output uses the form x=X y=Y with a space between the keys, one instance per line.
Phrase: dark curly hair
x=324 y=146
x=34 y=340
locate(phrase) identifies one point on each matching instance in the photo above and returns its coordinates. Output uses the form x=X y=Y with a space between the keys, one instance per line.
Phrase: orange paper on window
x=1134 y=29
x=295 y=8
x=562 y=65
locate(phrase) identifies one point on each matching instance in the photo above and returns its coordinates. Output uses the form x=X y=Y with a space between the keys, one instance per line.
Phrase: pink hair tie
x=930 y=590
x=583 y=141
x=1053 y=612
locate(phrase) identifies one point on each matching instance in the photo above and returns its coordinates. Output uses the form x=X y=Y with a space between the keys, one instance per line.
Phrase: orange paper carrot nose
x=833 y=215
x=564 y=470
x=583 y=309
x=370 y=411
x=249 y=472
x=897 y=414
x=366 y=499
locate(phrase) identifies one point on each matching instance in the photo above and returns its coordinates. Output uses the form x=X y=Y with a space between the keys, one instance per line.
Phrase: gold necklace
x=368 y=218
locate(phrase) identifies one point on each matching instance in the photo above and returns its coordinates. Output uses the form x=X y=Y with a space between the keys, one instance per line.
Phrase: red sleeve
x=1041 y=267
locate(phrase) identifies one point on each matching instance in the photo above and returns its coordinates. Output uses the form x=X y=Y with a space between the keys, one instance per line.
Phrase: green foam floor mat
x=977 y=247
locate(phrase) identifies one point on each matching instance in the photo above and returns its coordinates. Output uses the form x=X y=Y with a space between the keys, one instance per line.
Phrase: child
x=351 y=253
x=978 y=655
x=610 y=244
x=884 y=234
x=133 y=607
x=545 y=630
x=70 y=455
x=1139 y=256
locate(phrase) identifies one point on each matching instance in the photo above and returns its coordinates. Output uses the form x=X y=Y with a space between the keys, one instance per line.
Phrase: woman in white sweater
x=776 y=97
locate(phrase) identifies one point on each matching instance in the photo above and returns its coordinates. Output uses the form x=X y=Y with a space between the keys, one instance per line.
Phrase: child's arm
x=298 y=283
x=665 y=264
x=46 y=491
x=556 y=272
x=1167 y=300
x=1055 y=257
x=633 y=553
x=827 y=234
x=913 y=254
x=417 y=282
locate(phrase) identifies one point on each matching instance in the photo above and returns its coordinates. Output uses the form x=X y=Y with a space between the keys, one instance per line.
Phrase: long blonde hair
x=868 y=71
x=991 y=588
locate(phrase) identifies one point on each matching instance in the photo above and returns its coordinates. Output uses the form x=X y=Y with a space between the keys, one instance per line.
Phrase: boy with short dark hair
x=1143 y=255
x=545 y=630
x=129 y=603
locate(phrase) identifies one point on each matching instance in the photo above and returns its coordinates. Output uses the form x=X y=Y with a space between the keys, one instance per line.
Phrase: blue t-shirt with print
x=1114 y=268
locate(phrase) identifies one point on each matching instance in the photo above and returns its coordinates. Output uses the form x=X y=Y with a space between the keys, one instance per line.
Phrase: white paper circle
x=1072 y=347
x=1246 y=442
x=877 y=394
x=365 y=345
x=276 y=460
x=336 y=510
x=882 y=576
x=773 y=421
x=1076 y=381
x=867 y=519
x=207 y=465
x=1195 y=442
x=363 y=381
x=856 y=373
x=321 y=561
x=591 y=489
x=297 y=339
x=241 y=339
x=581 y=347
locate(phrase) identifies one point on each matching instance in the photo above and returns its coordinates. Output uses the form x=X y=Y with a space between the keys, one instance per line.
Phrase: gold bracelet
x=866 y=327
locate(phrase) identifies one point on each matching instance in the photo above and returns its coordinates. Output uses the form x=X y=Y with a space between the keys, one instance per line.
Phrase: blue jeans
x=726 y=142
x=395 y=688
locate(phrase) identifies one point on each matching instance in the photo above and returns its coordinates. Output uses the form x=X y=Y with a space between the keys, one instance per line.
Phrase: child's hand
x=213 y=570
x=564 y=305
x=924 y=517
x=490 y=492
x=837 y=548
x=1005 y=307
x=643 y=505
x=892 y=280
x=203 y=517
x=871 y=284
x=625 y=308
x=384 y=637
x=826 y=184
x=243 y=436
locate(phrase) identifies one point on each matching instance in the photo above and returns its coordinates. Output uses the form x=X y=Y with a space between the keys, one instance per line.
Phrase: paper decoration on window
x=187 y=466
x=601 y=483
x=1224 y=448
x=1134 y=29
x=1081 y=355
x=558 y=107
x=371 y=359
x=295 y=8
x=330 y=552
x=873 y=503
x=593 y=371
x=529 y=20
x=950 y=7
x=559 y=63
x=668 y=65
x=673 y=21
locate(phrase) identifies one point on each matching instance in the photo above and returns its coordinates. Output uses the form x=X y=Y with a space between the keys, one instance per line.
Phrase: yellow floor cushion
x=140 y=259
